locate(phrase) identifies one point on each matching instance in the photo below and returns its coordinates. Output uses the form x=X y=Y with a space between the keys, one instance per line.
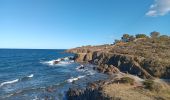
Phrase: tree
x=154 y=34
x=141 y=36
x=125 y=37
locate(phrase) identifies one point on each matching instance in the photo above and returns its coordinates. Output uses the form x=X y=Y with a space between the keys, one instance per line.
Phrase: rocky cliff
x=147 y=58
x=143 y=58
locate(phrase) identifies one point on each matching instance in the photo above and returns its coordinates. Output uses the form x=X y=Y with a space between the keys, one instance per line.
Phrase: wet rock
x=56 y=62
x=62 y=59
x=81 y=67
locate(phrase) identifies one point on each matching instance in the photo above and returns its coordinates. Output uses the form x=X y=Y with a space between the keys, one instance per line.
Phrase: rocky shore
x=146 y=58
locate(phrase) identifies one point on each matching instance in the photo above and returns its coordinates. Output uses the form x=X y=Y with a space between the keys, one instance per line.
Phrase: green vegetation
x=152 y=86
x=129 y=38
x=148 y=84
x=127 y=80
x=141 y=36
x=152 y=53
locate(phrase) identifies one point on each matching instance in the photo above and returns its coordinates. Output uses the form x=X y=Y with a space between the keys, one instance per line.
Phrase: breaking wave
x=9 y=82
x=16 y=80
x=72 y=79
x=60 y=61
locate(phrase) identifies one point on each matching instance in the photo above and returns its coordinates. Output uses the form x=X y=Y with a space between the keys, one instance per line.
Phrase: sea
x=31 y=74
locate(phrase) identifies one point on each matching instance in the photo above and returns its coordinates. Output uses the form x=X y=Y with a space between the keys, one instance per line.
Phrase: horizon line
x=36 y=48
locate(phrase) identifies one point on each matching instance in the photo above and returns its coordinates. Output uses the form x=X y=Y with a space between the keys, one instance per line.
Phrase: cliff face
x=124 y=63
x=145 y=60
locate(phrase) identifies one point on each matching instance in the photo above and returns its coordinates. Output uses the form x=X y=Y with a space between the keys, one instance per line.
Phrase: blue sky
x=55 y=24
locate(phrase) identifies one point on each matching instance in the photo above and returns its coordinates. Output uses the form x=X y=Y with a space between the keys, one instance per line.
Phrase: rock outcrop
x=128 y=58
x=107 y=61
x=147 y=58
x=92 y=92
x=121 y=87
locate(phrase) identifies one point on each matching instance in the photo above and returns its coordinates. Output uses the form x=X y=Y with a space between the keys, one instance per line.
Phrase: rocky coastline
x=118 y=58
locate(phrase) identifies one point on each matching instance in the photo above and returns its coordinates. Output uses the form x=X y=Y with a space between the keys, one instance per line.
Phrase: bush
x=125 y=37
x=148 y=84
x=127 y=80
x=152 y=86
x=154 y=34
x=141 y=36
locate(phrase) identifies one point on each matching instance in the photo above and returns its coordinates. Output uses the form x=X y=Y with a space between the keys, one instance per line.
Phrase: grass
x=130 y=92
x=127 y=80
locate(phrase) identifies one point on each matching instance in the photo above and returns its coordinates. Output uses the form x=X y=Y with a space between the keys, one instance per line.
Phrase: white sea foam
x=16 y=80
x=75 y=79
x=87 y=70
x=68 y=58
x=91 y=72
x=9 y=82
x=61 y=62
x=80 y=68
x=30 y=76
x=48 y=62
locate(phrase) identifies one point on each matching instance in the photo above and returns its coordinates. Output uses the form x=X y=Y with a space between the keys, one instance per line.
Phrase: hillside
x=145 y=57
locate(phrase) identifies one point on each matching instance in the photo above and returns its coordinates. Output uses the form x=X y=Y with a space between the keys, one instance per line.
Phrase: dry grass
x=133 y=92
x=125 y=92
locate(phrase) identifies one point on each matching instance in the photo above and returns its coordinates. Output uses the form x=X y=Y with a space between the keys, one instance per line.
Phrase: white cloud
x=159 y=8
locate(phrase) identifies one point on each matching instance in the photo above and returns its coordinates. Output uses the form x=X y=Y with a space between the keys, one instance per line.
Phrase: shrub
x=127 y=80
x=148 y=84
x=154 y=34
x=141 y=36
x=125 y=37
x=152 y=86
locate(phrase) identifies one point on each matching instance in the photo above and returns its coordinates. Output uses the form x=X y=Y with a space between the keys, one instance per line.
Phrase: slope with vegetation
x=141 y=55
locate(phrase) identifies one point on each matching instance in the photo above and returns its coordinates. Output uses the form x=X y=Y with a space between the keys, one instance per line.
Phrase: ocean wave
x=59 y=61
x=9 y=82
x=90 y=72
x=31 y=75
x=81 y=68
x=16 y=80
x=27 y=77
x=87 y=70
x=72 y=79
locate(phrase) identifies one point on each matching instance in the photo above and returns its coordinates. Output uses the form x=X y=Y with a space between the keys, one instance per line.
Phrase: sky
x=63 y=24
